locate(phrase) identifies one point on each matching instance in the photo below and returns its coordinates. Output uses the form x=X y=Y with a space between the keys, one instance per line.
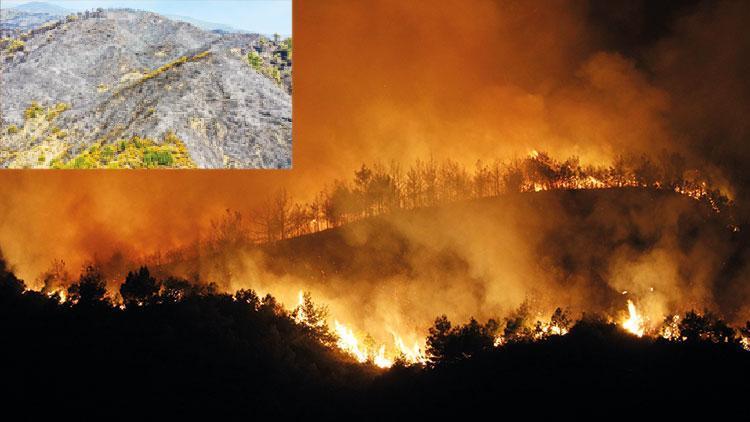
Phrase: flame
x=61 y=294
x=380 y=360
x=634 y=324
x=547 y=329
x=412 y=354
x=299 y=316
x=348 y=342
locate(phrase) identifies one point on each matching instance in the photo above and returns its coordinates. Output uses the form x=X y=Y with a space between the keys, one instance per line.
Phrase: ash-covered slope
x=127 y=73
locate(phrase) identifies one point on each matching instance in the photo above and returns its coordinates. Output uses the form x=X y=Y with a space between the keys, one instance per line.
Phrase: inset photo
x=162 y=84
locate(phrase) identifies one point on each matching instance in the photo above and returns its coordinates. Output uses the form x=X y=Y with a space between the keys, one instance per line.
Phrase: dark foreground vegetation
x=183 y=351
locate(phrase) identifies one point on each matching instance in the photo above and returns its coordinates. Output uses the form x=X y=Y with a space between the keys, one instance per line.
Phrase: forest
x=180 y=349
x=384 y=188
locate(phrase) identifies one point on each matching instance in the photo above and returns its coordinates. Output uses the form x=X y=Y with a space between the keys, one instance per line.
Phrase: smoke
x=586 y=252
x=395 y=80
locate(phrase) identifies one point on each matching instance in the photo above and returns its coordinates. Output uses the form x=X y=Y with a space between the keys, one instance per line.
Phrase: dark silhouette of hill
x=189 y=352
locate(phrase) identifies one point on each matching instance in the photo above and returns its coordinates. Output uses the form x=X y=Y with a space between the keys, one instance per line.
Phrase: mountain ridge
x=226 y=113
x=42 y=7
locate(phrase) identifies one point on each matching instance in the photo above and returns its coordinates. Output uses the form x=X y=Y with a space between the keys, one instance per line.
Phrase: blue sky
x=263 y=16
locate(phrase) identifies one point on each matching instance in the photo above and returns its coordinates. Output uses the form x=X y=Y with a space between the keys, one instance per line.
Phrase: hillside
x=16 y=20
x=101 y=78
x=185 y=351
x=579 y=249
x=553 y=223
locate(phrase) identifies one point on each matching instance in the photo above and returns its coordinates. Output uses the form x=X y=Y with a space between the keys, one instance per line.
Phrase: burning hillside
x=515 y=243
x=552 y=215
x=268 y=360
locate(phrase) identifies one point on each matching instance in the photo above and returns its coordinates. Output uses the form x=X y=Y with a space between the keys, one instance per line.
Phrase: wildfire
x=546 y=329
x=348 y=342
x=634 y=324
x=300 y=316
x=380 y=356
x=412 y=354
x=671 y=330
x=380 y=360
x=61 y=294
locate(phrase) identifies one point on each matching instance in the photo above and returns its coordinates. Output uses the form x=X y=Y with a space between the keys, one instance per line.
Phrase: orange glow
x=634 y=323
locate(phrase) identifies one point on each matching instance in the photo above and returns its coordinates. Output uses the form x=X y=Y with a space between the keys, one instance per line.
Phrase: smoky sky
x=394 y=80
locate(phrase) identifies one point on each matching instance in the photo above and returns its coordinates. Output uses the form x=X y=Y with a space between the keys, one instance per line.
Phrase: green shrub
x=16 y=45
x=12 y=129
x=108 y=153
x=157 y=158
x=273 y=73
x=82 y=162
x=255 y=60
x=33 y=111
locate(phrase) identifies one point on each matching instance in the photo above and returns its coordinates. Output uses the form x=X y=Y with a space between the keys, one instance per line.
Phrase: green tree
x=255 y=60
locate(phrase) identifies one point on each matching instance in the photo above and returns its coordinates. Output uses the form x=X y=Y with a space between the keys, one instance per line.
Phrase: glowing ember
x=546 y=329
x=671 y=329
x=634 y=324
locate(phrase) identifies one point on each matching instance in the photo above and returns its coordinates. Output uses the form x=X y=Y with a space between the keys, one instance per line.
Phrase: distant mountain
x=34 y=14
x=206 y=26
x=22 y=18
x=110 y=88
x=41 y=7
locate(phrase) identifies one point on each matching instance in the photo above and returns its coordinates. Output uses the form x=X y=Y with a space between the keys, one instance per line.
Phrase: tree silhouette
x=437 y=340
x=560 y=319
x=193 y=341
x=517 y=325
x=90 y=289
x=314 y=317
x=139 y=288
x=706 y=327
x=448 y=345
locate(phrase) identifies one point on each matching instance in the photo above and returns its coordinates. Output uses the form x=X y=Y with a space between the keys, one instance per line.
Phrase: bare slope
x=128 y=73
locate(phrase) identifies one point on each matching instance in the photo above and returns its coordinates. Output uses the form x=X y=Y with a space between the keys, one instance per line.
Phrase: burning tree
x=379 y=189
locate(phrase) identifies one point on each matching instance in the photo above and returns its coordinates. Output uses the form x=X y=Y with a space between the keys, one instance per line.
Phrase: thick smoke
x=395 y=80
